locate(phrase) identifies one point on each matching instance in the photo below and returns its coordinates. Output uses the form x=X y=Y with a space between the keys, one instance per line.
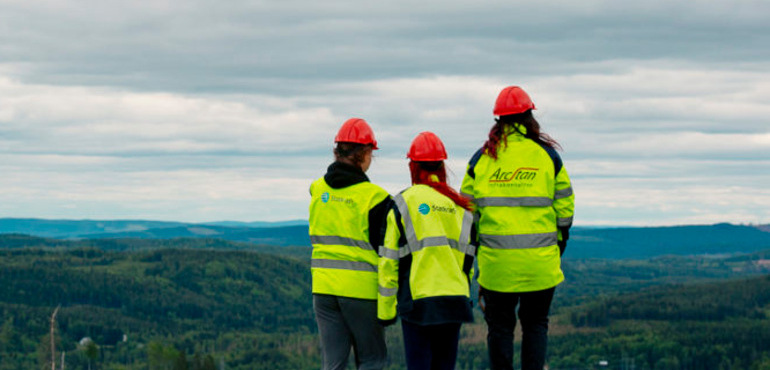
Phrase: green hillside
x=717 y=326
x=198 y=301
x=159 y=304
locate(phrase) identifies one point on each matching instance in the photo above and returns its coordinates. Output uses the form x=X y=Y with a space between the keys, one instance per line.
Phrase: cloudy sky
x=207 y=110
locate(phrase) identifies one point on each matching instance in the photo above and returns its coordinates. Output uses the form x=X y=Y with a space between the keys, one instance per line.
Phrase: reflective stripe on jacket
x=344 y=263
x=426 y=261
x=524 y=198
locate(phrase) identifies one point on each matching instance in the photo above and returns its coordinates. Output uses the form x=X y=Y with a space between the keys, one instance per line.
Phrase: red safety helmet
x=512 y=100
x=427 y=147
x=356 y=130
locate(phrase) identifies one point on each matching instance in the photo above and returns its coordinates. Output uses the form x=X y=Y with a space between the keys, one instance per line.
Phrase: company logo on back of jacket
x=326 y=197
x=424 y=209
x=522 y=174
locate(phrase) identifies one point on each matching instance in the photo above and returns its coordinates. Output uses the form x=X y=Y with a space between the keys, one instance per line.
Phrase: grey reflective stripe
x=524 y=241
x=388 y=253
x=343 y=265
x=564 y=221
x=563 y=193
x=414 y=244
x=339 y=240
x=387 y=292
x=514 y=202
x=411 y=236
x=463 y=247
x=467 y=195
x=465 y=235
x=431 y=241
x=437 y=241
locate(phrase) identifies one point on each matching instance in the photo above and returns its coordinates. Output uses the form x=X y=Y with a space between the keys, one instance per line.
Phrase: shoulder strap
x=472 y=163
x=557 y=163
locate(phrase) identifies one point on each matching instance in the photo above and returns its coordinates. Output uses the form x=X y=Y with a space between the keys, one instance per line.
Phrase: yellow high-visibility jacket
x=343 y=225
x=525 y=205
x=426 y=261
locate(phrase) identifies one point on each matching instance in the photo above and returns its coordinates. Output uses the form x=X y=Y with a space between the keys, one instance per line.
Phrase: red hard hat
x=427 y=147
x=356 y=130
x=512 y=100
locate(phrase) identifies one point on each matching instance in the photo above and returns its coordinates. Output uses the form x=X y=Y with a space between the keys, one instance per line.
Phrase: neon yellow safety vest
x=522 y=197
x=428 y=239
x=343 y=262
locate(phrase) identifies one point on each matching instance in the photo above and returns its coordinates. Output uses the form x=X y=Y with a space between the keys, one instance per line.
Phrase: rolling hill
x=613 y=243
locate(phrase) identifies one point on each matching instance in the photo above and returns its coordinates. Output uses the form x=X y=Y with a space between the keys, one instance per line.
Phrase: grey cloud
x=115 y=100
x=247 y=47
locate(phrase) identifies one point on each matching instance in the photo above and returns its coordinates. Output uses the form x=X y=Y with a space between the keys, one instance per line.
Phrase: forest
x=212 y=304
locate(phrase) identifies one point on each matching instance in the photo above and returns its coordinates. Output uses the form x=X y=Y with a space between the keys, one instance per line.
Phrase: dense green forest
x=212 y=304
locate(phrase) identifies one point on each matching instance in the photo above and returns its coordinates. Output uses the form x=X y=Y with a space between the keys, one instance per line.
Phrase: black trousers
x=500 y=314
x=431 y=347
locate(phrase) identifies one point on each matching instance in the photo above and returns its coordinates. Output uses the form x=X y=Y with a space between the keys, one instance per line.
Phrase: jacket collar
x=515 y=129
x=341 y=175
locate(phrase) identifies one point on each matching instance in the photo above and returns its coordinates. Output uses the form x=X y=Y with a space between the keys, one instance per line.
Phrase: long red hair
x=433 y=174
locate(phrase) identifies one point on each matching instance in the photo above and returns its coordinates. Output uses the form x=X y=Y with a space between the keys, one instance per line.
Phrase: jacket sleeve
x=564 y=205
x=377 y=216
x=466 y=188
x=388 y=271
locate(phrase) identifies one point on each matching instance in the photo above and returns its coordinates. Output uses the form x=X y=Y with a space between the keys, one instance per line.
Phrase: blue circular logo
x=424 y=209
x=325 y=197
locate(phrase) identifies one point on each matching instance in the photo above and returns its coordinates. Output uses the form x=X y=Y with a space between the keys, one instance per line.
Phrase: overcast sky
x=208 y=110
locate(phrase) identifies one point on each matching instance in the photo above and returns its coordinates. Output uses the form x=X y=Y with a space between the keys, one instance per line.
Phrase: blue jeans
x=500 y=314
x=430 y=347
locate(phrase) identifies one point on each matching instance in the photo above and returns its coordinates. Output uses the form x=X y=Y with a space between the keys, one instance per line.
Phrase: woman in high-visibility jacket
x=426 y=261
x=525 y=207
x=347 y=216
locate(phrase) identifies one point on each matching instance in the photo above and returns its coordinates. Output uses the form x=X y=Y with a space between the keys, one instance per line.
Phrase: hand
x=482 y=304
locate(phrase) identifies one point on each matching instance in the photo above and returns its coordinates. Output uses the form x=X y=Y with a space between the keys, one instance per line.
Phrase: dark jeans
x=345 y=322
x=500 y=314
x=431 y=347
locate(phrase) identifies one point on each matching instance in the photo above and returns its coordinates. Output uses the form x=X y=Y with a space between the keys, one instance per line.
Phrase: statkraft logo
x=521 y=174
x=326 y=198
x=424 y=209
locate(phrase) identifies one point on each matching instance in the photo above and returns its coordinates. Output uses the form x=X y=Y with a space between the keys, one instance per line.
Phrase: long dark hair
x=433 y=174
x=526 y=120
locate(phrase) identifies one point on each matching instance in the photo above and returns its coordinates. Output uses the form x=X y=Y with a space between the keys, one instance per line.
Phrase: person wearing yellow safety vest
x=525 y=206
x=347 y=218
x=426 y=261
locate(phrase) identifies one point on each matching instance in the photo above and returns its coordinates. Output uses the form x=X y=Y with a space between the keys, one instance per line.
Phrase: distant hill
x=280 y=236
x=20 y=241
x=72 y=228
x=258 y=223
x=585 y=242
x=646 y=242
x=284 y=233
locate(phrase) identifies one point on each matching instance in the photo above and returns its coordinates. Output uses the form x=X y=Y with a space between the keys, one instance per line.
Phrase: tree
x=181 y=361
x=91 y=350
x=10 y=340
